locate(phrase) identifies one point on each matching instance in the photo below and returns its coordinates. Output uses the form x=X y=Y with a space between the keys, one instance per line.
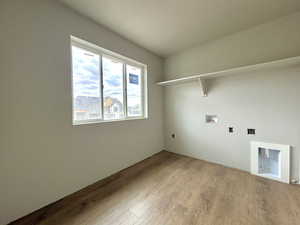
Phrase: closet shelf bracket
x=202 y=86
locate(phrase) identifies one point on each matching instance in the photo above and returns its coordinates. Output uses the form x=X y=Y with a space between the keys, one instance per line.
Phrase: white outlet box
x=271 y=161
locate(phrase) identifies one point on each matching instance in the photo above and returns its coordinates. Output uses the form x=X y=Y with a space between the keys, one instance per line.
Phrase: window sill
x=107 y=121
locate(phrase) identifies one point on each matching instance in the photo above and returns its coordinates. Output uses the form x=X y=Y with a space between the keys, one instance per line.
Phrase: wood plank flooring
x=169 y=189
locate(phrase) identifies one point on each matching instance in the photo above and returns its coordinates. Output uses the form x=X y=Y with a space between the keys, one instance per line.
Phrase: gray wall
x=42 y=156
x=275 y=40
x=267 y=101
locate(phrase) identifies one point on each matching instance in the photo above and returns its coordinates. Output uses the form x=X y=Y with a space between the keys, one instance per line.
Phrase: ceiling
x=168 y=26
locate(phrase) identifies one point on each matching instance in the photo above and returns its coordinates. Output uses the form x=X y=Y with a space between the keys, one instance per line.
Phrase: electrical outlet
x=251 y=131
x=294 y=181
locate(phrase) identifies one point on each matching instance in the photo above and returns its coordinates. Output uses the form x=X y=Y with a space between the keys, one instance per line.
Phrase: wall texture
x=42 y=156
x=267 y=101
x=275 y=40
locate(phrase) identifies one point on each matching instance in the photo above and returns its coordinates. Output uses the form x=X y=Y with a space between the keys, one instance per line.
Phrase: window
x=106 y=86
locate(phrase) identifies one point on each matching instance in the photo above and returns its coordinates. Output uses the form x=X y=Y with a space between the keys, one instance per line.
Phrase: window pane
x=134 y=91
x=113 y=89
x=86 y=85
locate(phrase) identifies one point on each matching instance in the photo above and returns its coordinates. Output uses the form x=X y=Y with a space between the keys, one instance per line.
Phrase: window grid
x=101 y=87
x=126 y=62
x=125 y=90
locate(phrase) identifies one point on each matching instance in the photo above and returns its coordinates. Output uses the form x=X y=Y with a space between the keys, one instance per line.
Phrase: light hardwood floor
x=169 y=189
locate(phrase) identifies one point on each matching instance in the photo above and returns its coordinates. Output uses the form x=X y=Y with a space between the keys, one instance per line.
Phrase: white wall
x=275 y=40
x=266 y=101
x=42 y=156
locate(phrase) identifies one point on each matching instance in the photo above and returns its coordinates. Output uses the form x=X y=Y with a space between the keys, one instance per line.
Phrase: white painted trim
x=93 y=47
x=268 y=65
x=284 y=163
x=86 y=122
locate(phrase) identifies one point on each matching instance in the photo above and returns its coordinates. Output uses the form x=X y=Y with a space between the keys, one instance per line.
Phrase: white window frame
x=126 y=61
